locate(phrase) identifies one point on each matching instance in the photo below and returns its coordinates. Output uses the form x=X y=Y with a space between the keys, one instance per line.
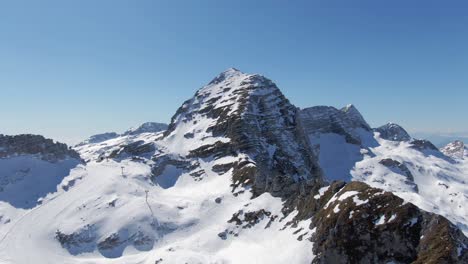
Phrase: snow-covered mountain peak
x=456 y=149
x=354 y=115
x=148 y=127
x=244 y=115
x=227 y=74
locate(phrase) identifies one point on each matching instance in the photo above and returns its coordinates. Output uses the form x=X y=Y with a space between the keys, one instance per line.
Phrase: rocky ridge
x=40 y=146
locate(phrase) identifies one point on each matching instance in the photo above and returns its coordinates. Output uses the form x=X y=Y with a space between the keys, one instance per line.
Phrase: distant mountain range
x=441 y=140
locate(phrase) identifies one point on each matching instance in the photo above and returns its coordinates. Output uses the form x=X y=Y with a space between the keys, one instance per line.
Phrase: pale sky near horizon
x=70 y=69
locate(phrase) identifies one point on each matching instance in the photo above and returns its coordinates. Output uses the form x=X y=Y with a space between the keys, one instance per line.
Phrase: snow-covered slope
x=428 y=179
x=235 y=178
x=31 y=168
x=388 y=158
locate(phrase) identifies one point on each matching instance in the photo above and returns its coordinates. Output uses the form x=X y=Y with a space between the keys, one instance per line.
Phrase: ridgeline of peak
x=355 y=116
x=393 y=132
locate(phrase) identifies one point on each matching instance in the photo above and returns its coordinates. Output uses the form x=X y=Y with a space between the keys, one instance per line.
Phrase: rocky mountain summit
x=246 y=116
x=394 y=132
x=456 y=149
x=326 y=119
x=239 y=173
x=148 y=127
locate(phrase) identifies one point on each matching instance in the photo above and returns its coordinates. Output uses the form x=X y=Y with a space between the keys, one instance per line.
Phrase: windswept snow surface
x=112 y=212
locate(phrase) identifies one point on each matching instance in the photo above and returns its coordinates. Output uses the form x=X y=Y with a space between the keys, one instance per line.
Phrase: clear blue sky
x=69 y=69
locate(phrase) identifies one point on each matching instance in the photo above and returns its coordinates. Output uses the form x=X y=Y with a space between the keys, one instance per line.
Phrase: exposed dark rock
x=360 y=224
x=422 y=144
x=78 y=242
x=250 y=219
x=401 y=169
x=393 y=132
x=138 y=148
x=27 y=144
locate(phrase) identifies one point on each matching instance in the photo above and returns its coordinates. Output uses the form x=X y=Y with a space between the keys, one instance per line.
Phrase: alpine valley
x=240 y=175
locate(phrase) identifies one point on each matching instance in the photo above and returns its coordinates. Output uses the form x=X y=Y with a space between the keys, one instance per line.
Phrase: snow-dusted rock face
x=327 y=119
x=148 y=127
x=247 y=116
x=355 y=223
x=456 y=149
x=394 y=132
x=45 y=149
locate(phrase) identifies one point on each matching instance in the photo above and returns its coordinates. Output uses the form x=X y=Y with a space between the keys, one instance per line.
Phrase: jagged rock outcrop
x=456 y=149
x=355 y=223
x=246 y=114
x=393 y=132
x=134 y=149
x=45 y=149
x=148 y=127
